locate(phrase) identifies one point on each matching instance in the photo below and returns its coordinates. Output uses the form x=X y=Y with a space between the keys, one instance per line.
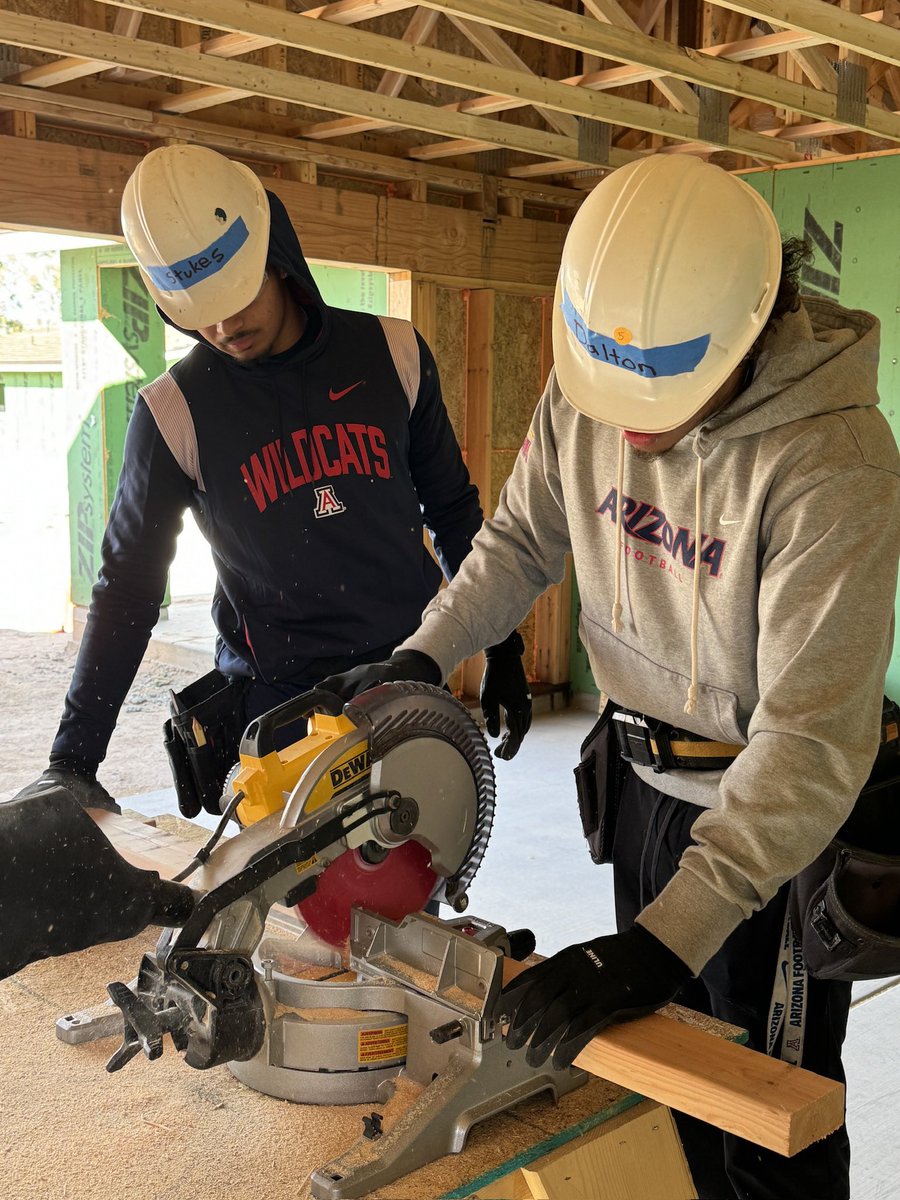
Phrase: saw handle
x=259 y=736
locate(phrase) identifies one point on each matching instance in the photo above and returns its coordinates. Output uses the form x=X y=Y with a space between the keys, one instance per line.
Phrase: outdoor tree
x=29 y=285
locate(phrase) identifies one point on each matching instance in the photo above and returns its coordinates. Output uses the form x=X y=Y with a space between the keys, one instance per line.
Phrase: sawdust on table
x=161 y=1131
x=461 y=999
x=335 y=1015
x=406 y=1093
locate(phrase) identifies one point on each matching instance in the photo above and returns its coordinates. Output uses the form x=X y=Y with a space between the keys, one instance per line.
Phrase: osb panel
x=517 y=368
x=449 y=349
x=93 y=141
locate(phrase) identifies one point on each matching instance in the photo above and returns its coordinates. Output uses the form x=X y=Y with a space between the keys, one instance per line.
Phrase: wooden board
x=636 y=1153
x=765 y=1100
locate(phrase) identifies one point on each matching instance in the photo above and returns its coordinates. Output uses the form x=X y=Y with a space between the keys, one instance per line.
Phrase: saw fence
x=70 y=1131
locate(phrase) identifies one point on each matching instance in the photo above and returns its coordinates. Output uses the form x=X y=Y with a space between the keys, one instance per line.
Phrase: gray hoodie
x=800 y=512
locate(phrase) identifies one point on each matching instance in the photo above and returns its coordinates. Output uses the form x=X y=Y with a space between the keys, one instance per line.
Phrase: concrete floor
x=538 y=873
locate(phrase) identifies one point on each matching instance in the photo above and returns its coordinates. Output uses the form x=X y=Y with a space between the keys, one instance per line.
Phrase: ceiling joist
x=565 y=89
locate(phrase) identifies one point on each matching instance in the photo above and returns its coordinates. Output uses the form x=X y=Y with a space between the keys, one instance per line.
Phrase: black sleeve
x=137 y=550
x=449 y=499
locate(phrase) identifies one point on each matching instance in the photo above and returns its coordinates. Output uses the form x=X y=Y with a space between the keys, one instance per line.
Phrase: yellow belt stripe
x=705 y=749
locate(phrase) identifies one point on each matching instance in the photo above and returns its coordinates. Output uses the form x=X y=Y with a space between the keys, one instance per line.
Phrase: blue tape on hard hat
x=184 y=274
x=652 y=361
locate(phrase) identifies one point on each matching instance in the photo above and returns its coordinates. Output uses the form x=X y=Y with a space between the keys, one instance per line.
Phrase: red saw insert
x=395 y=887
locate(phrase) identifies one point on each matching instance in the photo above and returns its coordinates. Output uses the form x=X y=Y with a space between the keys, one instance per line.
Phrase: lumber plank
x=144 y=845
x=739 y=1090
x=152 y=849
x=762 y=1099
x=383 y=52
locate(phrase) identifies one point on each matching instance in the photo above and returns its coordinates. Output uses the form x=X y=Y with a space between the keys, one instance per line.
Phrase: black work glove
x=64 y=887
x=403 y=665
x=562 y=1002
x=503 y=684
x=82 y=784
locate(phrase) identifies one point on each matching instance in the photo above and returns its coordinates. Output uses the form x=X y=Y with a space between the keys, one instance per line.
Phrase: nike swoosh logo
x=333 y=395
x=723 y=520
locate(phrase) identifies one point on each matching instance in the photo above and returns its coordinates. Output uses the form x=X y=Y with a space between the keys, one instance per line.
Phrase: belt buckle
x=637 y=744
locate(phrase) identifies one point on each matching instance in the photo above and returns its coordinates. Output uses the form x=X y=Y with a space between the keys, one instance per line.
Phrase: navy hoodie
x=311 y=474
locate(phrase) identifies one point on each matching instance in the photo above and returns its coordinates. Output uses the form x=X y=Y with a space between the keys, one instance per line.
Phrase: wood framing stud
x=18 y=124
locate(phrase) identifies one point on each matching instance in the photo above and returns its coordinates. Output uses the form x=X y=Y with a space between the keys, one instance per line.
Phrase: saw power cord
x=202 y=855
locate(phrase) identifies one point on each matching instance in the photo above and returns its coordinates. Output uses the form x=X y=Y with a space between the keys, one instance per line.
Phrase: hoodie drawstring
x=691 y=702
x=620 y=484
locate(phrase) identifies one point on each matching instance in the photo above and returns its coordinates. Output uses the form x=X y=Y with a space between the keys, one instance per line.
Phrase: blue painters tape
x=184 y=274
x=678 y=359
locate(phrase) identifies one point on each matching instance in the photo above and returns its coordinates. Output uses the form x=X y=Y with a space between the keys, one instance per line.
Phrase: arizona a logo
x=327 y=503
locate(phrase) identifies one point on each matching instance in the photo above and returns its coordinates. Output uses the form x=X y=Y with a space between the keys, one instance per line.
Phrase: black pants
x=736 y=986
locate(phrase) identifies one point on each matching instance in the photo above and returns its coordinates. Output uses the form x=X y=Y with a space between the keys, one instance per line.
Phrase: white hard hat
x=197 y=224
x=668 y=274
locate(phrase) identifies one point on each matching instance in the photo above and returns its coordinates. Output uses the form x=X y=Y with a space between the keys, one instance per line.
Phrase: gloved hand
x=63 y=887
x=503 y=684
x=562 y=1002
x=82 y=784
x=402 y=665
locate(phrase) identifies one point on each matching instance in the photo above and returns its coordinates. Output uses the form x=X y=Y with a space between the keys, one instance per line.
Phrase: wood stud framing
x=755 y=81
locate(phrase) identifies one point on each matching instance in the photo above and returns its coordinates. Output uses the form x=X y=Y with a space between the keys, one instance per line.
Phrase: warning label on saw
x=382 y=1045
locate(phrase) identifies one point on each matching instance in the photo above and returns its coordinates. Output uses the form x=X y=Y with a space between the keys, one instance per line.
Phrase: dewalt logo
x=349 y=770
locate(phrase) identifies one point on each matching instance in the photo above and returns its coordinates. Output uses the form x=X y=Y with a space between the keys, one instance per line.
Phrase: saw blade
x=400 y=884
x=406 y=740
x=397 y=713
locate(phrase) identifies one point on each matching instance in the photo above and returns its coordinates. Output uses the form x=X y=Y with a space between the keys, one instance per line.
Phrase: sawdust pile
x=161 y=1131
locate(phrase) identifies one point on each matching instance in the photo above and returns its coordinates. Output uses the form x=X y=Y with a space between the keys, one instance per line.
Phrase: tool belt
x=202 y=738
x=650 y=743
x=620 y=736
x=845 y=906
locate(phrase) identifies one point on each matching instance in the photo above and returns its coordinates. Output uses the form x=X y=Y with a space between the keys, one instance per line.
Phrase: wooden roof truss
x=437 y=96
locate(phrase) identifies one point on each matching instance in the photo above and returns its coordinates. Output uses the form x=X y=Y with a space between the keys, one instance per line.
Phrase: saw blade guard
x=421 y=743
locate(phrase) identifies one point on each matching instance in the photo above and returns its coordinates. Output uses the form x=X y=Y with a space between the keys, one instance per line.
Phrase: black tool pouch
x=599 y=779
x=846 y=904
x=202 y=737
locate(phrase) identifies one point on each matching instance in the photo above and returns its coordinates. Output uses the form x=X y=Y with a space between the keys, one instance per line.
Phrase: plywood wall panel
x=449 y=350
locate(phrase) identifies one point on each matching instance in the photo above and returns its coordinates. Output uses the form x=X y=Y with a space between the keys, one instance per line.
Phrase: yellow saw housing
x=267 y=782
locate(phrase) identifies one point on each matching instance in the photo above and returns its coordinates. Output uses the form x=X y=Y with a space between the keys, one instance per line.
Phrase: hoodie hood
x=820 y=359
x=285 y=253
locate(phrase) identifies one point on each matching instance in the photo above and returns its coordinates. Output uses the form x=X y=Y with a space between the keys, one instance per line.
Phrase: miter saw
x=378 y=810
